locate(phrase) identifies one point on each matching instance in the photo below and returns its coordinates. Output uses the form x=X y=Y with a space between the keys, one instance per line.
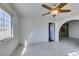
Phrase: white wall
x=7 y=47
x=74 y=29
x=33 y=29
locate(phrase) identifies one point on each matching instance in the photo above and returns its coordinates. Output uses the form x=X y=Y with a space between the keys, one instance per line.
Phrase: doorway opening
x=69 y=30
x=64 y=30
x=51 y=32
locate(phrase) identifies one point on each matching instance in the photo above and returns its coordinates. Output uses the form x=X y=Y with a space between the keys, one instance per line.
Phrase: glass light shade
x=54 y=12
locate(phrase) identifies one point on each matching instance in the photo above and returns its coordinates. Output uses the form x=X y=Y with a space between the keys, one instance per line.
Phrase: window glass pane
x=0 y=29
x=3 y=16
x=0 y=14
x=0 y=23
x=5 y=25
x=6 y=29
x=7 y=18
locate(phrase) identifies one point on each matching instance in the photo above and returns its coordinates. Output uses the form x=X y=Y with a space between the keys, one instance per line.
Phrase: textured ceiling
x=35 y=10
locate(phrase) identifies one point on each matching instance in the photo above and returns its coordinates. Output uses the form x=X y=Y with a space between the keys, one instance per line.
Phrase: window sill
x=3 y=41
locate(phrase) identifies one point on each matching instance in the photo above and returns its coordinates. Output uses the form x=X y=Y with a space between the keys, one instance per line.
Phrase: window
x=5 y=25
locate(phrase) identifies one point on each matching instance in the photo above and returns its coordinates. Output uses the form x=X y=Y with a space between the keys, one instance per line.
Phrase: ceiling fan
x=56 y=9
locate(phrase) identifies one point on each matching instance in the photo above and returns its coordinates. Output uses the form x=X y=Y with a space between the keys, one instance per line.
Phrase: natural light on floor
x=74 y=53
x=24 y=49
x=26 y=43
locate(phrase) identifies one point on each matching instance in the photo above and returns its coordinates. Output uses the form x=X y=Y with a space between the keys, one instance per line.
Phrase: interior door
x=51 y=32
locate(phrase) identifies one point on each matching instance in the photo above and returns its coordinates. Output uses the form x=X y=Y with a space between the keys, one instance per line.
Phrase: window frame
x=11 y=27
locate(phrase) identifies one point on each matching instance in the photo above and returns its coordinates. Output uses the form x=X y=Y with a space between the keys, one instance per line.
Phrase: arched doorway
x=69 y=37
x=59 y=23
x=69 y=29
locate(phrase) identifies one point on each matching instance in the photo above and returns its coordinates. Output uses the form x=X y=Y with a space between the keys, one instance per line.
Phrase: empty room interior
x=39 y=29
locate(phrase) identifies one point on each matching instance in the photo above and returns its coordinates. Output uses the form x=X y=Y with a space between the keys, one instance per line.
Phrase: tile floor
x=66 y=47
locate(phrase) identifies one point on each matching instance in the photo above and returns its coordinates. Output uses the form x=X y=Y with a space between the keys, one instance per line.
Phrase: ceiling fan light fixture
x=56 y=9
x=54 y=12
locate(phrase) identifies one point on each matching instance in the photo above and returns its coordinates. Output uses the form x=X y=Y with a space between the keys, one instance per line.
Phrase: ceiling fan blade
x=54 y=5
x=61 y=5
x=61 y=11
x=47 y=7
x=45 y=13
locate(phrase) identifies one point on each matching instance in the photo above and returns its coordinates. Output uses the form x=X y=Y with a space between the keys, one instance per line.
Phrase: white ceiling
x=35 y=10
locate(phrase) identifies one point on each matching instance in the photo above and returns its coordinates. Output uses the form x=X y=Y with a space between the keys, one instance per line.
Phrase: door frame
x=49 y=31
